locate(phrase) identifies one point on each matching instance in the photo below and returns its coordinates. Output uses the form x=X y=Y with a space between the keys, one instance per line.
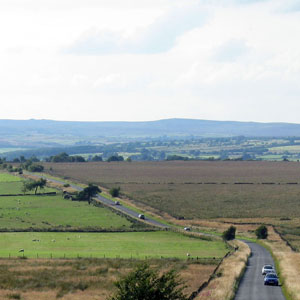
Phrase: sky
x=140 y=60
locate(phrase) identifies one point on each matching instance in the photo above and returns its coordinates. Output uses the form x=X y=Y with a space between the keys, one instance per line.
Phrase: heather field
x=197 y=189
x=84 y=278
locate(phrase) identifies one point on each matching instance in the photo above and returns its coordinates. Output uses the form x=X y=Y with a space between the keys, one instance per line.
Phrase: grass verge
x=227 y=278
x=287 y=262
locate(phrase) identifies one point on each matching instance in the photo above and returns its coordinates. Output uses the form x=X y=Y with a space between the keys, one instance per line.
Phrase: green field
x=45 y=212
x=121 y=245
x=15 y=187
x=4 y=177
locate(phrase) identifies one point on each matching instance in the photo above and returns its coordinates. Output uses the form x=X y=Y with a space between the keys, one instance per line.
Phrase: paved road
x=252 y=286
x=108 y=202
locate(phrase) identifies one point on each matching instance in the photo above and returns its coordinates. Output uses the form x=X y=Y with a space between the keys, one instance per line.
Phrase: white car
x=267 y=269
x=141 y=216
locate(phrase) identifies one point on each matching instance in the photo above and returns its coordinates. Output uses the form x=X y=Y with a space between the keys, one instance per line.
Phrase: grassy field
x=87 y=279
x=113 y=245
x=12 y=184
x=5 y=177
x=49 y=212
x=196 y=189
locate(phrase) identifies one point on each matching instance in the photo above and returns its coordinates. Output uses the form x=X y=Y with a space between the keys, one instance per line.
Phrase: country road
x=252 y=286
x=108 y=202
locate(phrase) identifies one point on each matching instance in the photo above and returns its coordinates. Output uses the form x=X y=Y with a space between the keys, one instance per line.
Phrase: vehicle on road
x=267 y=269
x=271 y=279
x=141 y=216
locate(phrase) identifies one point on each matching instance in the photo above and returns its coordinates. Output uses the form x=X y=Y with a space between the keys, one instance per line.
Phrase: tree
x=34 y=185
x=146 y=284
x=229 y=234
x=115 y=158
x=261 y=232
x=115 y=192
x=97 y=158
x=87 y=193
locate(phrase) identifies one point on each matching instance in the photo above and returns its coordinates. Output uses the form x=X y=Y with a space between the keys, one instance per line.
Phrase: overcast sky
x=134 y=60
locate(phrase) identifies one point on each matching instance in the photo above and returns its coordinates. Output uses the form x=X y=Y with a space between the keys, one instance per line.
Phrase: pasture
x=12 y=184
x=109 y=245
x=39 y=212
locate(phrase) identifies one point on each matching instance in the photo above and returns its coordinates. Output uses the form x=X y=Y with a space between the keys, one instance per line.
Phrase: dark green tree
x=261 y=232
x=34 y=185
x=87 y=193
x=115 y=192
x=146 y=284
x=229 y=234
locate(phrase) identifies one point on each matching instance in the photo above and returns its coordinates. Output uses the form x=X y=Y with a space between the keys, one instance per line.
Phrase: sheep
x=21 y=250
x=53 y=241
x=188 y=255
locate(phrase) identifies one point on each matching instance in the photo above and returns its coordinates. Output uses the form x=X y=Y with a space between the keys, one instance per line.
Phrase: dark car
x=271 y=279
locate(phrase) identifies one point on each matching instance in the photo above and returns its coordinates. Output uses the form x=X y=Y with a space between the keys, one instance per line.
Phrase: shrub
x=146 y=284
x=115 y=192
x=261 y=232
x=229 y=234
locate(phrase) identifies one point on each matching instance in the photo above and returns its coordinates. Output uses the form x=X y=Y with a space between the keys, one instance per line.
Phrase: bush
x=35 y=168
x=146 y=284
x=229 y=234
x=261 y=232
x=115 y=192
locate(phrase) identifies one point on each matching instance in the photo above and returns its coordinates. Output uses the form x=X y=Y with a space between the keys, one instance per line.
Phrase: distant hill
x=168 y=127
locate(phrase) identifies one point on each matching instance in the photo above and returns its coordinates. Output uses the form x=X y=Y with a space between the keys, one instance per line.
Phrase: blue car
x=271 y=279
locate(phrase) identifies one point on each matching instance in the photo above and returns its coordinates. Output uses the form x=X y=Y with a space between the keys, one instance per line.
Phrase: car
x=267 y=269
x=187 y=228
x=271 y=279
x=141 y=216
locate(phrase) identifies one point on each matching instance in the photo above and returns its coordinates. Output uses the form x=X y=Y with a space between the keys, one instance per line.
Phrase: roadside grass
x=225 y=283
x=288 y=263
x=84 y=278
x=49 y=212
x=113 y=245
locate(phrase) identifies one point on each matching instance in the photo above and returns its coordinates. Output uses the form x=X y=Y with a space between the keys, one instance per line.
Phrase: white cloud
x=231 y=51
x=160 y=36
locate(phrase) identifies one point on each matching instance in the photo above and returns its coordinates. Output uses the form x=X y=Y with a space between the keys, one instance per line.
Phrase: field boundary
x=284 y=239
x=26 y=194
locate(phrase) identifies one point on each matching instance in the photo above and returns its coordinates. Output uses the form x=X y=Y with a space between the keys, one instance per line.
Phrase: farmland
x=69 y=247
x=251 y=192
